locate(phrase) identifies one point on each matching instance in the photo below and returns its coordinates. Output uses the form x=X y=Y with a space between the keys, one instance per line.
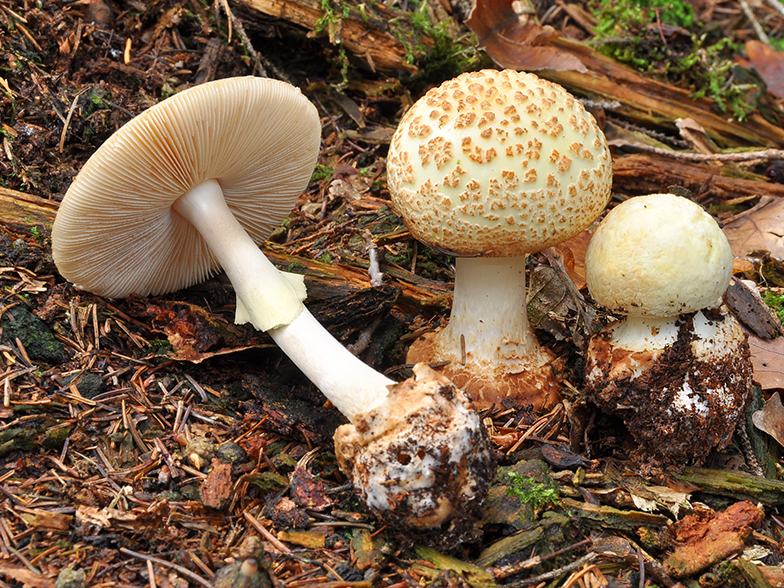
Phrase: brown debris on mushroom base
x=682 y=406
x=514 y=383
x=423 y=460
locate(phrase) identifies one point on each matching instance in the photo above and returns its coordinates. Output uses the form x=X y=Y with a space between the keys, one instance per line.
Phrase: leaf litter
x=169 y=447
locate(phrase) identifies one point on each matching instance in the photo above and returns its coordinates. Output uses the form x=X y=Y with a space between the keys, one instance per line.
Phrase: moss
x=17 y=439
x=539 y=494
x=36 y=337
x=54 y=437
x=693 y=56
x=775 y=301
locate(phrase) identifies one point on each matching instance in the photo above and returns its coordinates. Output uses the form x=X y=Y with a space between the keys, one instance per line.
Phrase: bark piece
x=652 y=174
x=366 y=34
x=702 y=542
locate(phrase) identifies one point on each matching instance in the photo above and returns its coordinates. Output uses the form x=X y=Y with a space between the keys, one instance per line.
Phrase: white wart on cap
x=492 y=166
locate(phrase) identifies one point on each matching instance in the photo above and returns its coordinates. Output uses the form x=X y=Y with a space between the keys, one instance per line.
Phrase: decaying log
x=21 y=212
x=652 y=102
x=366 y=34
x=735 y=484
x=640 y=98
x=649 y=174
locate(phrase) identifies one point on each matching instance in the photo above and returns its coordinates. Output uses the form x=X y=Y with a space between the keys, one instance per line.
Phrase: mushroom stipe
x=195 y=183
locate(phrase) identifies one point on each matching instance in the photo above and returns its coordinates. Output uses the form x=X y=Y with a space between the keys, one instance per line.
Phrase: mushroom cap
x=499 y=163
x=116 y=233
x=658 y=255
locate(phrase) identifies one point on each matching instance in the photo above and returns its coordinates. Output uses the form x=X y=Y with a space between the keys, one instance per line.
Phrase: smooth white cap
x=499 y=163
x=116 y=233
x=658 y=255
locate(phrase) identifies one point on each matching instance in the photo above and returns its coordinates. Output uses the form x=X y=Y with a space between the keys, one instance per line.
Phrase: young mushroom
x=492 y=166
x=676 y=368
x=193 y=184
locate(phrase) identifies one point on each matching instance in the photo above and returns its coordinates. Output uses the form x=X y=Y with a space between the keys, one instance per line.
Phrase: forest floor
x=152 y=442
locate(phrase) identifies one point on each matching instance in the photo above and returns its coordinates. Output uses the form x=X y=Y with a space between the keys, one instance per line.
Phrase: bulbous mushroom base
x=422 y=460
x=679 y=402
x=503 y=382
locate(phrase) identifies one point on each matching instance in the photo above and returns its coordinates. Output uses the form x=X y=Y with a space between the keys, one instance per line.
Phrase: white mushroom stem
x=644 y=333
x=272 y=301
x=350 y=384
x=489 y=322
x=650 y=333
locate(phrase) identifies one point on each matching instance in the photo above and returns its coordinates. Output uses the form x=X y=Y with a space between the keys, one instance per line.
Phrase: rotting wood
x=652 y=102
x=737 y=485
x=649 y=174
x=613 y=518
x=366 y=34
x=20 y=211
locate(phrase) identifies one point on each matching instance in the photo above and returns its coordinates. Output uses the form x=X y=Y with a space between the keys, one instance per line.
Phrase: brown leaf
x=308 y=491
x=758 y=229
x=573 y=251
x=43 y=519
x=771 y=418
x=513 y=40
x=769 y=65
x=767 y=357
x=194 y=333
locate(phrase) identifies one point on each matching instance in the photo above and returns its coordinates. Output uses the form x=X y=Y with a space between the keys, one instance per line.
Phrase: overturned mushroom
x=492 y=166
x=676 y=368
x=194 y=183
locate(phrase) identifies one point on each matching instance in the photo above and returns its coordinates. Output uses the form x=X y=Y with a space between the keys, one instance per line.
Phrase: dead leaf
x=308 y=491
x=573 y=251
x=769 y=65
x=43 y=519
x=758 y=229
x=771 y=418
x=767 y=358
x=311 y=539
x=514 y=40
x=139 y=519
x=194 y=333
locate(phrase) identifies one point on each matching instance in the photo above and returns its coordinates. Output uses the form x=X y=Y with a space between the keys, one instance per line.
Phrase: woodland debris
x=585 y=72
x=365 y=33
x=702 y=541
x=650 y=174
x=735 y=484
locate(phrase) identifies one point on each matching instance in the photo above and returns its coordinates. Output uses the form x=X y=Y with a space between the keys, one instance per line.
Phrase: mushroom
x=676 y=368
x=194 y=183
x=492 y=166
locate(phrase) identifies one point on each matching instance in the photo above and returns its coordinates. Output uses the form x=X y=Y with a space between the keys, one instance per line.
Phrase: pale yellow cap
x=658 y=255
x=499 y=163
